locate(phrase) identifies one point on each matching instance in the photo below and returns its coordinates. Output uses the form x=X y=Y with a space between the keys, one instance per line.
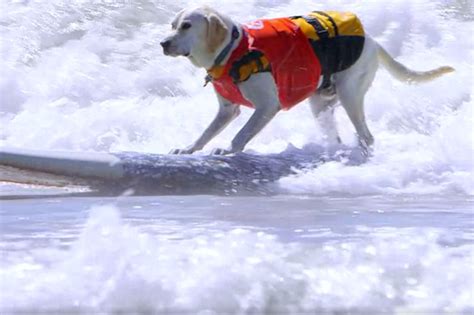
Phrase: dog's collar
x=235 y=35
x=216 y=69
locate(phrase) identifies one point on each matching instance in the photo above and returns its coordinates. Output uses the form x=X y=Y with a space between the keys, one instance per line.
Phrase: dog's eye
x=185 y=26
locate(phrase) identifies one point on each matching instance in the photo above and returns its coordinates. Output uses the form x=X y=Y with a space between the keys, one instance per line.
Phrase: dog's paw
x=220 y=152
x=181 y=151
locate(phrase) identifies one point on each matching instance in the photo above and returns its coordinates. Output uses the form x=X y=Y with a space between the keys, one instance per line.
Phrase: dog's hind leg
x=354 y=107
x=322 y=106
x=352 y=85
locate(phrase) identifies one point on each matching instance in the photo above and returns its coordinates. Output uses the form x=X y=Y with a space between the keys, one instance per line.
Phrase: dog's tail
x=406 y=75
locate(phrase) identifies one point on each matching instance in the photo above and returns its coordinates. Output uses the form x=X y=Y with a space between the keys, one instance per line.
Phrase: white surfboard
x=160 y=173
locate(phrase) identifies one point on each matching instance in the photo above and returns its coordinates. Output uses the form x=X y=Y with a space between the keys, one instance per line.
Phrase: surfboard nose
x=81 y=164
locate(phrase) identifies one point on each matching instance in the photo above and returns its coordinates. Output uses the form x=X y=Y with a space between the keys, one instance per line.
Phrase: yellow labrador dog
x=273 y=64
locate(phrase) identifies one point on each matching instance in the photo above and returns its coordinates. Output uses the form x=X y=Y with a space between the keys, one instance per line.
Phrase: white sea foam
x=115 y=267
x=90 y=75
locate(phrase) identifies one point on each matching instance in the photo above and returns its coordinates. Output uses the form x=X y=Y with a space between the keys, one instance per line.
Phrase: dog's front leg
x=227 y=112
x=260 y=118
x=261 y=91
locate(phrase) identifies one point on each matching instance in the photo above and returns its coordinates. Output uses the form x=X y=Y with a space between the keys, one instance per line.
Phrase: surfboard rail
x=81 y=164
x=169 y=174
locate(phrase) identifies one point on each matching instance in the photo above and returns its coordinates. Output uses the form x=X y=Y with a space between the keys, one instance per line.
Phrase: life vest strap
x=320 y=30
x=334 y=24
x=251 y=63
x=228 y=47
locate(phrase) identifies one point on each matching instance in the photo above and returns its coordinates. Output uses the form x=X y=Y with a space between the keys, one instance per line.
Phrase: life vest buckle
x=207 y=80
x=322 y=32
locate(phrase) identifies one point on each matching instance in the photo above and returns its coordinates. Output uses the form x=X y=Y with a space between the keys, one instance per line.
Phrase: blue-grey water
x=257 y=255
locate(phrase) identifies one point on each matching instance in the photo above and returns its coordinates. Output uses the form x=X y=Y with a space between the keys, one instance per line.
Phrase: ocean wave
x=90 y=75
x=114 y=266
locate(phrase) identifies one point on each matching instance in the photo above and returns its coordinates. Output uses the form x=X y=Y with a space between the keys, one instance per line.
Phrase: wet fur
x=209 y=34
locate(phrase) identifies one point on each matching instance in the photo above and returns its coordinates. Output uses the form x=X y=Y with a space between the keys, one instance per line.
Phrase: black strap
x=234 y=36
x=259 y=63
x=252 y=56
x=326 y=82
x=336 y=29
x=320 y=30
x=228 y=47
x=323 y=34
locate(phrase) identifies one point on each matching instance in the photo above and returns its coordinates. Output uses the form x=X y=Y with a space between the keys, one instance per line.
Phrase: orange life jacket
x=296 y=50
x=293 y=63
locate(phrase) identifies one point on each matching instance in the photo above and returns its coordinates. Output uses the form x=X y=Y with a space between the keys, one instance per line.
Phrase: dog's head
x=198 y=34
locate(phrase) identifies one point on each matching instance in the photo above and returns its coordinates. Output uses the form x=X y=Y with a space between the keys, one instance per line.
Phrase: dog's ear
x=177 y=18
x=216 y=32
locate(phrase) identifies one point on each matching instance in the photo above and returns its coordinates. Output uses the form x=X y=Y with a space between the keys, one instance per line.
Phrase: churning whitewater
x=392 y=235
x=158 y=257
x=91 y=76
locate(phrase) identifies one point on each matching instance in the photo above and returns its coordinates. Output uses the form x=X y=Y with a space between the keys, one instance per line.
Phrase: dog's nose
x=165 y=44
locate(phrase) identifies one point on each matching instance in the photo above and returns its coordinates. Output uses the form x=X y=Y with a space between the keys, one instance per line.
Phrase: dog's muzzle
x=170 y=50
x=166 y=44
